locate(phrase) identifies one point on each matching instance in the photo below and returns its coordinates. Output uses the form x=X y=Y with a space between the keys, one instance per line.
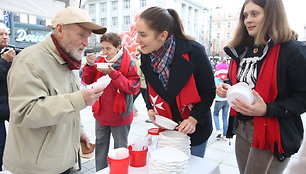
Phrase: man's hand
x=85 y=138
x=9 y=55
x=91 y=95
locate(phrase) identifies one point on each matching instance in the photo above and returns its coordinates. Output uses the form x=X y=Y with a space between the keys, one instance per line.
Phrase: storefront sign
x=23 y=36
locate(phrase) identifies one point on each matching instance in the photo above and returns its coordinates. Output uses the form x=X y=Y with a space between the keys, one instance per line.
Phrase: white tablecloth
x=195 y=165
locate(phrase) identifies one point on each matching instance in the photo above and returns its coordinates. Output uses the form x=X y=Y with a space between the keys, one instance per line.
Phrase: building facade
x=220 y=31
x=28 y=29
x=119 y=15
x=24 y=29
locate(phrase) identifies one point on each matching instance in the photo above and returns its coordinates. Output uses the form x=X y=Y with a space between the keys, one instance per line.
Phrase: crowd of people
x=41 y=94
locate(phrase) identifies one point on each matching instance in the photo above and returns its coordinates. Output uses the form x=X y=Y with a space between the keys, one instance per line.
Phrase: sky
x=295 y=9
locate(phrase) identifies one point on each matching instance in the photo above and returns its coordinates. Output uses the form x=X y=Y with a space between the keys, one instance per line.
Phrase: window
x=126 y=4
x=114 y=21
x=126 y=20
x=196 y=15
x=114 y=5
x=219 y=25
x=40 y=21
x=229 y=25
x=92 y=8
x=24 y=18
x=32 y=19
x=93 y=20
x=103 y=21
x=143 y=3
x=218 y=35
x=17 y=17
x=228 y=35
x=103 y=7
x=183 y=11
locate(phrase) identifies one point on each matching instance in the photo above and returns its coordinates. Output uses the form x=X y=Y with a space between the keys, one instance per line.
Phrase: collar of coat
x=180 y=71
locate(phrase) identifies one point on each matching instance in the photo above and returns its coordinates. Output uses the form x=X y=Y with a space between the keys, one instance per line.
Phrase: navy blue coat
x=180 y=72
x=290 y=102
x=4 y=107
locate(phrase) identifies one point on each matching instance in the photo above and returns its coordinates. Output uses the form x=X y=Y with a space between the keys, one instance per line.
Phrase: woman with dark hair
x=114 y=109
x=178 y=73
x=266 y=56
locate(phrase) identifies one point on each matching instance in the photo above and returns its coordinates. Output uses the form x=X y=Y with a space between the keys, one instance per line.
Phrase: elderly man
x=5 y=64
x=45 y=101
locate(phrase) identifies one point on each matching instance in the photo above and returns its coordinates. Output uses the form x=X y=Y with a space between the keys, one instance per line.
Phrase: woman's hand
x=222 y=89
x=259 y=108
x=106 y=70
x=152 y=114
x=90 y=59
x=187 y=126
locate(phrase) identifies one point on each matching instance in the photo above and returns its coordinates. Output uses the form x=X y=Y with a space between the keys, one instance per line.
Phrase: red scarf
x=72 y=63
x=266 y=129
x=120 y=103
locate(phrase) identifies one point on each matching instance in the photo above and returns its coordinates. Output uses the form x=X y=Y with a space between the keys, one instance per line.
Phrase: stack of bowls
x=176 y=140
x=168 y=160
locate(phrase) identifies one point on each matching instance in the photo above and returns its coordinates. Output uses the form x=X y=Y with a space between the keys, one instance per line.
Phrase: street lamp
x=210 y=26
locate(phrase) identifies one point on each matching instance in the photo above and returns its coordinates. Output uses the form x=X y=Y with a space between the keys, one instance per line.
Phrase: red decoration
x=129 y=38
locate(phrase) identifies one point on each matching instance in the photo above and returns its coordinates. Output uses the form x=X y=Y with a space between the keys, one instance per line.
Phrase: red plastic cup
x=138 y=158
x=118 y=166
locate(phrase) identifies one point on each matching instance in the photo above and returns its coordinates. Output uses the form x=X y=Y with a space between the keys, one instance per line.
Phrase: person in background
x=114 y=109
x=222 y=65
x=143 y=85
x=45 y=101
x=178 y=74
x=221 y=103
x=266 y=56
x=6 y=59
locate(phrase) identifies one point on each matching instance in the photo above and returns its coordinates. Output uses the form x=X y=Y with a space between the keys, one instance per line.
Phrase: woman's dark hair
x=275 y=25
x=160 y=19
x=112 y=38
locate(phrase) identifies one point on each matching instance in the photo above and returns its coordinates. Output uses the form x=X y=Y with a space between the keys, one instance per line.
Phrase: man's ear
x=59 y=29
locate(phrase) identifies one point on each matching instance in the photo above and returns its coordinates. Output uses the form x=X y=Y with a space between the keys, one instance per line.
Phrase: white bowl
x=174 y=135
x=165 y=122
x=119 y=153
x=240 y=91
x=103 y=65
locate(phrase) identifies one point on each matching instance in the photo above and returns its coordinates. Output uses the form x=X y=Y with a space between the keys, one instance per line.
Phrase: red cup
x=138 y=158
x=118 y=166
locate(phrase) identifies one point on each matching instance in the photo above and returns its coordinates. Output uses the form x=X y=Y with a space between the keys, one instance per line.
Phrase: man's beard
x=73 y=53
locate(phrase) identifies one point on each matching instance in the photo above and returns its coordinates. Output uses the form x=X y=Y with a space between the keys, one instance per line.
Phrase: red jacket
x=129 y=84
